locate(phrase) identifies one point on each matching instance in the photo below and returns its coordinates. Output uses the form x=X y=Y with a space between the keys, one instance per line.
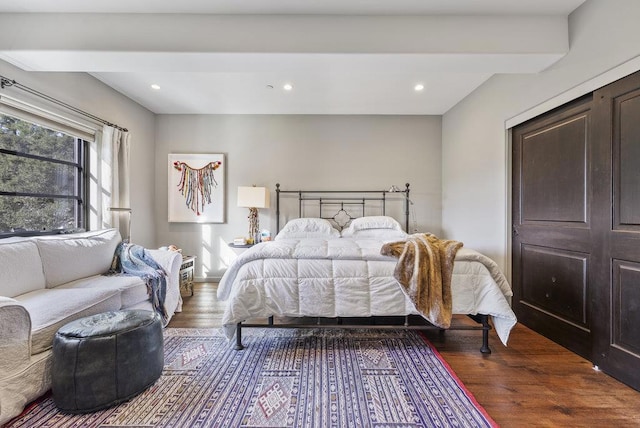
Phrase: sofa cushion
x=20 y=268
x=50 y=309
x=71 y=257
x=133 y=289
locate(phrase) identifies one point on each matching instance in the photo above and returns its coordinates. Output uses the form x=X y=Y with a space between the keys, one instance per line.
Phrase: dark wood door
x=576 y=227
x=552 y=225
x=616 y=302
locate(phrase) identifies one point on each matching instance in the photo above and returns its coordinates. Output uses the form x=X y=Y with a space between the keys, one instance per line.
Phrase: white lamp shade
x=253 y=197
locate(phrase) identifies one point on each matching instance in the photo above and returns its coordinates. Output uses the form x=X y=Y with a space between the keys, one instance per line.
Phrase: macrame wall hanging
x=197 y=184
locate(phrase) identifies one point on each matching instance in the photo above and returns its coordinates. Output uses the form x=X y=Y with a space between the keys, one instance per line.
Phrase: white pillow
x=70 y=257
x=307 y=228
x=372 y=223
x=20 y=268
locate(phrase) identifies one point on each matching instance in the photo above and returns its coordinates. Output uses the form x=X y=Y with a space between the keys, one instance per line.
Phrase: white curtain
x=115 y=177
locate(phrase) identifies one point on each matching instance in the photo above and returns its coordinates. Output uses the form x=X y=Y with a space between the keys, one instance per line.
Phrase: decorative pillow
x=308 y=228
x=76 y=256
x=372 y=223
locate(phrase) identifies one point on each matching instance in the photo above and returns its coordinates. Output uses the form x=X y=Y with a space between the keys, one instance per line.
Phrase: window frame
x=81 y=182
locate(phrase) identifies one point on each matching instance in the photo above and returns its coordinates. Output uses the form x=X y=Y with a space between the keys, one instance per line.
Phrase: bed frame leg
x=484 y=320
x=239 y=345
x=485 y=334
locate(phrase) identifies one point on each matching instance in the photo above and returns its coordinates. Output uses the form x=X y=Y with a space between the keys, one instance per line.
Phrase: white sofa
x=46 y=282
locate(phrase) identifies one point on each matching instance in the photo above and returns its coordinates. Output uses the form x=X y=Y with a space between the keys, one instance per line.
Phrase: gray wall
x=89 y=94
x=299 y=152
x=475 y=164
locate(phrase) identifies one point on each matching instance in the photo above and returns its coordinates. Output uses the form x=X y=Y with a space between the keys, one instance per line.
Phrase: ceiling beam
x=316 y=34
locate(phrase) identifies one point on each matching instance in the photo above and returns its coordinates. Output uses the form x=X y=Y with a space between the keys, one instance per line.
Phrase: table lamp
x=253 y=198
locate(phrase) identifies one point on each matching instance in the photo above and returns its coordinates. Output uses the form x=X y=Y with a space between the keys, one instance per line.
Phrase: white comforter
x=349 y=278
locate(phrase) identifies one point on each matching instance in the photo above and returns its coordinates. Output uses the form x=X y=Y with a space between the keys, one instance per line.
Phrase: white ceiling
x=341 y=56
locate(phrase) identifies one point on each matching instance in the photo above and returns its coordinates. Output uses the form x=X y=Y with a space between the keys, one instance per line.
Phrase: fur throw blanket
x=424 y=269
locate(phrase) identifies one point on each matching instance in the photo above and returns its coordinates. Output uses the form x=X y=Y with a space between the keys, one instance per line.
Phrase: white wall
x=89 y=94
x=603 y=35
x=299 y=152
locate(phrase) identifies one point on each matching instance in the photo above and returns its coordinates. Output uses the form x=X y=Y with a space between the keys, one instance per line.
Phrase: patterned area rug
x=289 y=378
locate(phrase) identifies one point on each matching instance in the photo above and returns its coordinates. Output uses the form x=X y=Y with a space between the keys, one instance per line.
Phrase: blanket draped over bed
x=132 y=259
x=424 y=269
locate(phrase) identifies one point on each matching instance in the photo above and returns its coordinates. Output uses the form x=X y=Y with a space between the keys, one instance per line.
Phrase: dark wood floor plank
x=533 y=382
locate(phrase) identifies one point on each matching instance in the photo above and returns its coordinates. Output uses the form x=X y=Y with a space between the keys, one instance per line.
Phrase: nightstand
x=232 y=245
x=187 y=269
x=239 y=249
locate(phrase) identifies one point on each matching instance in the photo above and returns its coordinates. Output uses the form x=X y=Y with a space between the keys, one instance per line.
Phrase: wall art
x=197 y=188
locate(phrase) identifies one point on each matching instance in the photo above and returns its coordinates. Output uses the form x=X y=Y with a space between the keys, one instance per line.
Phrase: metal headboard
x=342 y=199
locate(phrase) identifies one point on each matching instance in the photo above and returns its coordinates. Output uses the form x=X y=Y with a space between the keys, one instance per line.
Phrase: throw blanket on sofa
x=424 y=269
x=132 y=259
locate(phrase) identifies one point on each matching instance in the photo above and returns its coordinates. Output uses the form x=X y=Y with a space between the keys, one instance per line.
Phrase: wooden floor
x=531 y=383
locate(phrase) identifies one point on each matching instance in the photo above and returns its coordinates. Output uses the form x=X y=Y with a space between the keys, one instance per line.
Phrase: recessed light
x=154 y=86
x=419 y=87
x=287 y=86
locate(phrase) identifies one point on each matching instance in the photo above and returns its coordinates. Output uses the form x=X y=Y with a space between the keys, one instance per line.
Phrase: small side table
x=187 y=269
x=232 y=245
x=239 y=249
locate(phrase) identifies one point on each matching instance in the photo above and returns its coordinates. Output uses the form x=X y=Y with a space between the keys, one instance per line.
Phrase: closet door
x=616 y=302
x=552 y=236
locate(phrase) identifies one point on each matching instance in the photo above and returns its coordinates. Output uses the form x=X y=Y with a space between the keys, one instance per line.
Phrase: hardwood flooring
x=533 y=382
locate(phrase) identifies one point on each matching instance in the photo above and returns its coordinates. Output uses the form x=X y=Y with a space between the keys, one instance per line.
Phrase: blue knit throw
x=132 y=259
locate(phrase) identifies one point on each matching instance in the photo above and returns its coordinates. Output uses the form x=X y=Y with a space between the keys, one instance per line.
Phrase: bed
x=328 y=267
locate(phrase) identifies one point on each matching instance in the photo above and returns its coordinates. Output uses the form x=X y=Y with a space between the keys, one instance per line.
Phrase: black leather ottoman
x=104 y=359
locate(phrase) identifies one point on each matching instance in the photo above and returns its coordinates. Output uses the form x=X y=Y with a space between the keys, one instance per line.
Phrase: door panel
x=616 y=303
x=627 y=183
x=552 y=225
x=626 y=307
x=555 y=281
x=553 y=175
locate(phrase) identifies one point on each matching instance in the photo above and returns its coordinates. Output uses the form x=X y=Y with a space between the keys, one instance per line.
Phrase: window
x=42 y=184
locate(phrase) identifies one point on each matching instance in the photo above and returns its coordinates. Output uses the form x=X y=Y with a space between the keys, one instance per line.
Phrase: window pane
x=25 y=137
x=35 y=214
x=48 y=182
x=24 y=175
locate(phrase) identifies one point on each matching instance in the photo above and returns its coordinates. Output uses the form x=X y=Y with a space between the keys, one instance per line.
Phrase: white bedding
x=340 y=277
